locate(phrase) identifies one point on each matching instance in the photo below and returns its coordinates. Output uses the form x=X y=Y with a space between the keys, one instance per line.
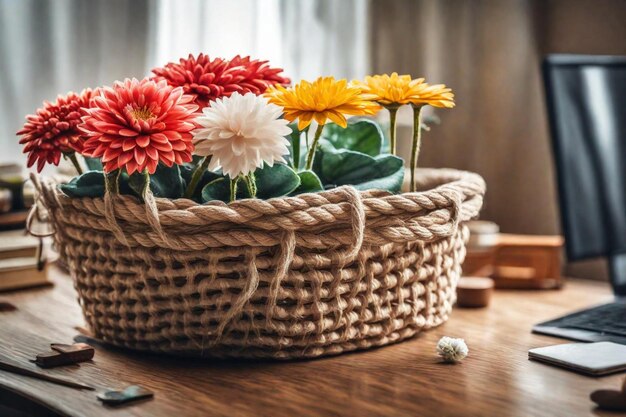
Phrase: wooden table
x=405 y=379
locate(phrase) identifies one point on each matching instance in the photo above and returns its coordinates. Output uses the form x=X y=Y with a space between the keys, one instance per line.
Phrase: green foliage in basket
x=350 y=156
x=89 y=184
x=271 y=181
x=309 y=183
x=166 y=182
x=362 y=135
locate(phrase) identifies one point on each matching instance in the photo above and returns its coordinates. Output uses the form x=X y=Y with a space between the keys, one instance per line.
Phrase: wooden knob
x=474 y=291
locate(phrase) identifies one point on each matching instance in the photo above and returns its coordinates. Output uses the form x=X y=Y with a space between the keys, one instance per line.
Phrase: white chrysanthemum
x=240 y=133
x=451 y=349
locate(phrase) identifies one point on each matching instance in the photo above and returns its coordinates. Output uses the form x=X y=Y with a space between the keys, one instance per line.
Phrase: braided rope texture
x=293 y=277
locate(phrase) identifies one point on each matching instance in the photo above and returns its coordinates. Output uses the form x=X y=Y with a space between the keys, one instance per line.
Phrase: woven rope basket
x=317 y=274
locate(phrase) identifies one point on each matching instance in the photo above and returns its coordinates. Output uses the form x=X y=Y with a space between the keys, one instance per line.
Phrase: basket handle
x=38 y=214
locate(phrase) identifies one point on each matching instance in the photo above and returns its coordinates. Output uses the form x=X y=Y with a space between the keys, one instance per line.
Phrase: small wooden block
x=609 y=399
x=474 y=291
x=51 y=359
x=131 y=393
x=79 y=350
x=65 y=355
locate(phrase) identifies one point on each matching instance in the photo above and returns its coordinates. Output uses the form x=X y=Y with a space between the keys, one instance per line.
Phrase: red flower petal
x=128 y=132
x=124 y=158
x=143 y=141
x=152 y=165
x=111 y=154
x=152 y=153
x=140 y=155
x=128 y=144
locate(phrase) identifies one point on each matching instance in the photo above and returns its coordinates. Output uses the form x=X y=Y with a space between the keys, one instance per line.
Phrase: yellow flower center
x=142 y=113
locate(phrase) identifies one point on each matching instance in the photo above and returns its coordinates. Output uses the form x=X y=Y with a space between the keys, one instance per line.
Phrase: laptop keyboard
x=608 y=319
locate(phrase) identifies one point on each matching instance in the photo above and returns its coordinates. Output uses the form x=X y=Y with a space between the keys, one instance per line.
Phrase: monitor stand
x=617 y=272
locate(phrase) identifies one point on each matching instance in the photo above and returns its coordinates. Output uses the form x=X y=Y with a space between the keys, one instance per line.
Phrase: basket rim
x=320 y=219
x=466 y=182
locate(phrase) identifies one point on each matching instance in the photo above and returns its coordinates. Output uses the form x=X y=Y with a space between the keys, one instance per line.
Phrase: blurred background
x=488 y=51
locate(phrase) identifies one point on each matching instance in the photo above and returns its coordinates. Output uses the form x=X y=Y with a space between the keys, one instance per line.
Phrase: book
x=21 y=272
x=19 y=254
x=17 y=244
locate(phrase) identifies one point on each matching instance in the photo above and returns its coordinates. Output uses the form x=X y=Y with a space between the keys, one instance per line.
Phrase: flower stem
x=311 y=152
x=233 y=189
x=251 y=184
x=146 y=183
x=417 y=142
x=393 y=112
x=74 y=160
x=112 y=181
x=295 y=147
x=195 y=178
x=306 y=135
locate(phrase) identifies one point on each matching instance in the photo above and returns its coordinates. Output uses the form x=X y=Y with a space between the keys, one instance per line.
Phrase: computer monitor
x=586 y=100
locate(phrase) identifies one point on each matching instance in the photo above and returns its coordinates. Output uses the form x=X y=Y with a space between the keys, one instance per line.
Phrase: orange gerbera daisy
x=137 y=124
x=323 y=99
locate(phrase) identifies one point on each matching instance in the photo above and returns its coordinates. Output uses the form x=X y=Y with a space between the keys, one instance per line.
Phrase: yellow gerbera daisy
x=323 y=99
x=395 y=89
x=437 y=95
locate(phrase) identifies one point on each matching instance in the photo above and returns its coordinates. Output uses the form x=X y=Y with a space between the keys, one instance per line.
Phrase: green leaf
x=89 y=184
x=93 y=164
x=392 y=182
x=361 y=135
x=309 y=183
x=344 y=167
x=275 y=181
x=166 y=182
x=219 y=189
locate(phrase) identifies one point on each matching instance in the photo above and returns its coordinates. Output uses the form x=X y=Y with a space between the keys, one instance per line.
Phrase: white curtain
x=217 y=28
x=49 y=47
x=307 y=38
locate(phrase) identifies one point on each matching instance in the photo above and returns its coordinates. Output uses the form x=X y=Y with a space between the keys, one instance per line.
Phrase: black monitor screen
x=586 y=98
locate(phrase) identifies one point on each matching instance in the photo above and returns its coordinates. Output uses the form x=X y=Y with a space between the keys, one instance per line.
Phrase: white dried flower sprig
x=451 y=349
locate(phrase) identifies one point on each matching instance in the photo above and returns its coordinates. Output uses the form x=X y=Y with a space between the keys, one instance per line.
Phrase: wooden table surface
x=405 y=379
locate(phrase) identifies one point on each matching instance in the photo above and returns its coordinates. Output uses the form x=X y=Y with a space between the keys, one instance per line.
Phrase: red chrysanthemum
x=53 y=129
x=209 y=80
x=258 y=75
x=137 y=124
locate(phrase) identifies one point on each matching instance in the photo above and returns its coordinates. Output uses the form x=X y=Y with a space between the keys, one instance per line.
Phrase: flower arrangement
x=216 y=129
x=336 y=269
